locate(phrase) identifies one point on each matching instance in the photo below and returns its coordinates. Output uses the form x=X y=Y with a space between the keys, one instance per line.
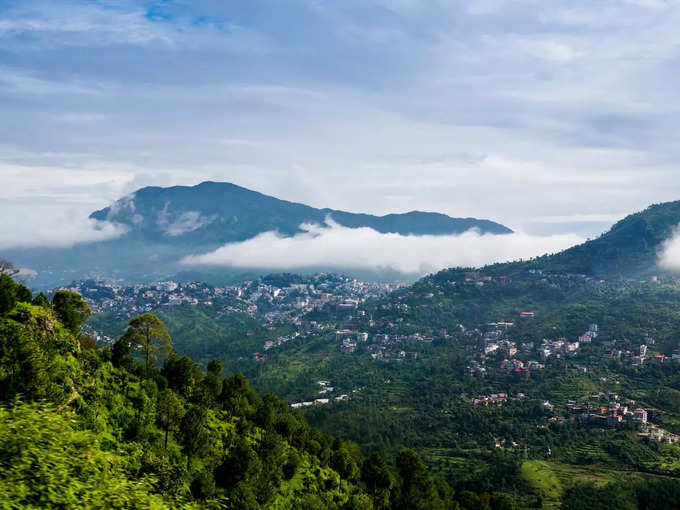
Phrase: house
x=343 y=334
x=489 y=348
x=527 y=314
x=640 y=415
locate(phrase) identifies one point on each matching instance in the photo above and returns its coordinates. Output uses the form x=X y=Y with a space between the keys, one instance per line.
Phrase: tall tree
x=170 y=411
x=147 y=334
x=193 y=432
x=376 y=476
x=71 y=309
x=8 y=297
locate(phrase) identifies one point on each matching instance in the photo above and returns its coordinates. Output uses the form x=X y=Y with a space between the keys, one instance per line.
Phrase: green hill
x=629 y=249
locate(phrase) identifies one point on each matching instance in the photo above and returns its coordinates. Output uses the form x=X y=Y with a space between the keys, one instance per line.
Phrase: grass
x=551 y=479
x=541 y=477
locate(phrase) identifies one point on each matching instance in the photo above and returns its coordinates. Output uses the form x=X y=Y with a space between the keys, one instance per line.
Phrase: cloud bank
x=333 y=245
x=669 y=255
x=33 y=227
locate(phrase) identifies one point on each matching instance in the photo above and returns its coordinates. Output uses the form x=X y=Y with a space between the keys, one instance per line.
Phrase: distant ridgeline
x=134 y=425
x=218 y=213
x=166 y=224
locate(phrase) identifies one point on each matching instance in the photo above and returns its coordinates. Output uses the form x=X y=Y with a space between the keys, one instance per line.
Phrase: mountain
x=218 y=213
x=163 y=225
x=629 y=249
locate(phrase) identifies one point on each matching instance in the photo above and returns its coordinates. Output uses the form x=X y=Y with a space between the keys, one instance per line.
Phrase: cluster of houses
x=519 y=368
x=278 y=304
x=324 y=389
x=558 y=348
x=382 y=354
x=655 y=433
x=318 y=402
x=269 y=344
x=495 y=399
x=636 y=357
x=476 y=278
x=135 y=299
x=381 y=344
x=609 y=410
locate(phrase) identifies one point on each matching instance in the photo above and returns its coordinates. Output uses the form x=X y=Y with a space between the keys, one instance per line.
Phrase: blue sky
x=556 y=116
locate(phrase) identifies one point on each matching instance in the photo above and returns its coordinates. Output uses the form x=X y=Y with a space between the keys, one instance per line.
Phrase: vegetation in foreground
x=83 y=427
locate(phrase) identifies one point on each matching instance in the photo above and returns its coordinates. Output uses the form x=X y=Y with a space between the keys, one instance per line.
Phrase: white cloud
x=44 y=206
x=669 y=255
x=186 y=222
x=336 y=246
x=36 y=226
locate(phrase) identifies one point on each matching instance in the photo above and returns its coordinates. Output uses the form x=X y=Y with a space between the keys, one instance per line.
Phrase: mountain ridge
x=165 y=224
x=217 y=212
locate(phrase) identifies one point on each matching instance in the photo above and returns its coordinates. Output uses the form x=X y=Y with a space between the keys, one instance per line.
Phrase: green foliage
x=147 y=335
x=11 y=293
x=112 y=432
x=71 y=309
x=47 y=463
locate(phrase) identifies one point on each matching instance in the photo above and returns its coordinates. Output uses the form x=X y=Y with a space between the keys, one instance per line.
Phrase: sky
x=552 y=117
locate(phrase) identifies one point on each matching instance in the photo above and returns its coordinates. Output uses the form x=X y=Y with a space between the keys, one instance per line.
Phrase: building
x=640 y=415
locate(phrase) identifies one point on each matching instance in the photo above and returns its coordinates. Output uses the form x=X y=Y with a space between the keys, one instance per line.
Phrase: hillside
x=134 y=425
x=629 y=249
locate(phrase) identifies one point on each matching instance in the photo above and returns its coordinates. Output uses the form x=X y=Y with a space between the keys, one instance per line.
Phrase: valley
x=496 y=379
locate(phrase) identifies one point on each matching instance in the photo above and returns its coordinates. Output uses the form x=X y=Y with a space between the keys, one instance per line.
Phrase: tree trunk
x=147 y=352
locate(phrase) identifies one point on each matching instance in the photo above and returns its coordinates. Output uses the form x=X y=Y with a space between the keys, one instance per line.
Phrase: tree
x=183 y=374
x=42 y=300
x=71 y=309
x=147 y=334
x=24 y=295
x=417 y=488
x=215 y=367
x=375 y=475
x=121 y=354
x=193 y=432
x=170 y=411
x=7 y=295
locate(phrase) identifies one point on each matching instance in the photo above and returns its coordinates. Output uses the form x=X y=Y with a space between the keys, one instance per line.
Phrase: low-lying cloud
x=669 y=255
x=35 y=227
x=335 y=246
